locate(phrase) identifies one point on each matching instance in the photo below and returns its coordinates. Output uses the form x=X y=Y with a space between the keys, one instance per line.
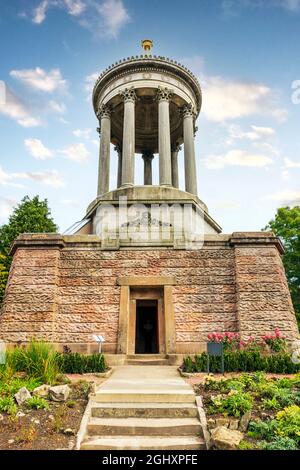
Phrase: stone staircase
x=148 y=359
x=143 y=408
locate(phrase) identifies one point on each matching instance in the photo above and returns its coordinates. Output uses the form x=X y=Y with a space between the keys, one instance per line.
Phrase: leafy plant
x=280 y=443
x=38 y=359
x=245 y=445
x=8 y=405
x=27 y=435
x=75 y=363
x=276 y=341
x=270 y=404
x=288 y=422
x=37 y=403
x=262 y=429
x=236 y=403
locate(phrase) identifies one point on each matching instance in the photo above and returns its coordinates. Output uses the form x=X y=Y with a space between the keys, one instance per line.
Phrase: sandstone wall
x=64 y=294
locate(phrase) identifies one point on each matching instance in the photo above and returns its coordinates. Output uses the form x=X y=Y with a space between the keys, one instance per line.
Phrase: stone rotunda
x=147 y=267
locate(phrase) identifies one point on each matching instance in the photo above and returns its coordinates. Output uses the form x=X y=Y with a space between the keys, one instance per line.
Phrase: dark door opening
x=146 y=337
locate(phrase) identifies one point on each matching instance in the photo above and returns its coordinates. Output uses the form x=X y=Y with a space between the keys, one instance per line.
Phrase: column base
x=127 y=185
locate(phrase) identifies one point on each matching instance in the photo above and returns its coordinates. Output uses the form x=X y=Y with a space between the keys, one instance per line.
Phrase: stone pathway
x=143 y=407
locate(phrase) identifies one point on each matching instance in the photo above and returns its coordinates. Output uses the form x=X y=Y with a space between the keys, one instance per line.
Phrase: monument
x=147 y=268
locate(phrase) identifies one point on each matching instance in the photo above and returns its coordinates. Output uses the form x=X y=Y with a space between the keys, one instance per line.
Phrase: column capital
x=128 y=94
x=104 y=111
x=164 y=94
x=188 y=111
x=176 y=148
x=147 y=156
x=118 y=148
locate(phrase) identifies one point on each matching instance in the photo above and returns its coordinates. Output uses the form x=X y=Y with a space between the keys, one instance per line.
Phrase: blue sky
x=245 y=53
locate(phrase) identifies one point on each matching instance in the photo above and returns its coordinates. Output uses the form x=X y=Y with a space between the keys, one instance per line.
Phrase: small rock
x=226 y=439
x=1 y=417
x=41 y=391
x=69 y=432
x=20 y=414
x=51 y=417
x=35 y=421
x=22 y=395
x=11 y=441
x=234 y=424
x=222 y=422
x=244 y=422
x=211 y=423
x=59 y=392
x=71 y=445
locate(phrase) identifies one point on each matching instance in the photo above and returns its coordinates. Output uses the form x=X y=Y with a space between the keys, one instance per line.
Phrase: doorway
x=146 y=333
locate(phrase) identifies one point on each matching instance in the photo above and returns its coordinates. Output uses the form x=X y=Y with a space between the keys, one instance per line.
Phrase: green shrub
x=242 y=361
x=75 y=363
x=245 y=445
x=236 y=403
x=288 y=423
x=37 y=403
x=37 y=359
x=262 y=429
x=8 y=405
x=280 y=443
x=270 y=404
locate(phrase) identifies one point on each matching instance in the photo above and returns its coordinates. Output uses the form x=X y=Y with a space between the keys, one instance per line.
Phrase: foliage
x=245 y=445
x=280 y=443
x=288 y=422
x=12 y=385
x=30 y=216
x=286 y=226
x=3 y=275
x=37 y=359
x=242 y=361
x=236 y=403
x=276 y=341
x=285 y=425
x=27 y=435
x=37 y=403
x=75 y=363
x=8 y=405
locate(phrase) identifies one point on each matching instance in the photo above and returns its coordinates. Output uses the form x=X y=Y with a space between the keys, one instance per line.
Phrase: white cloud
x=231 y=99
x=76 y=152
x=114 y=16
x=89 y=84
x=236 y=158
x=256 y=133
x=106 y=17
x=41 y=80
x=59 y=108
x=6 y=207
x=49 y=178
x=288 y=163
x=82 y=133
x=14 y=108
x=39 y=13
x=70 y=202
x=75 y=7
x=37 y=149
x=288 y=196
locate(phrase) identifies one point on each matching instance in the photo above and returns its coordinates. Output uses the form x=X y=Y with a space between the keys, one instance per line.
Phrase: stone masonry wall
x=64 y=295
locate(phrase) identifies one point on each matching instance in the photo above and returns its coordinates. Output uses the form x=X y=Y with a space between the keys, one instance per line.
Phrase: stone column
x=164 y=136
x=103 y=114
x=174 y=160
x=189 y=149
x=128 y=146
x=147 y=157
x=119 y=152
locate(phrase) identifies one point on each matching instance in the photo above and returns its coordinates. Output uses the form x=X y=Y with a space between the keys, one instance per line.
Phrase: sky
x=244 y=52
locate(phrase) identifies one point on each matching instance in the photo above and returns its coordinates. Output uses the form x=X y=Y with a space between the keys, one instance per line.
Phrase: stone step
x=144 y=443
x=144 y=427
x=144 y=396
x=146 y=356
x=147 y=362
x=144 y=410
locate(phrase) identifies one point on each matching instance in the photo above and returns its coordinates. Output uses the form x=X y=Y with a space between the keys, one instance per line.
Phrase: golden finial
x=147 y=45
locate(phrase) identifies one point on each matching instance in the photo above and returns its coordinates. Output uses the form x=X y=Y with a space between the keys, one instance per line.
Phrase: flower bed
x=263 y=412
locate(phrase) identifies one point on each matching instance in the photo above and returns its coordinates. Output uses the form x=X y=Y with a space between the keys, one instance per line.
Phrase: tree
x=30 y=216
x=286 y=225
